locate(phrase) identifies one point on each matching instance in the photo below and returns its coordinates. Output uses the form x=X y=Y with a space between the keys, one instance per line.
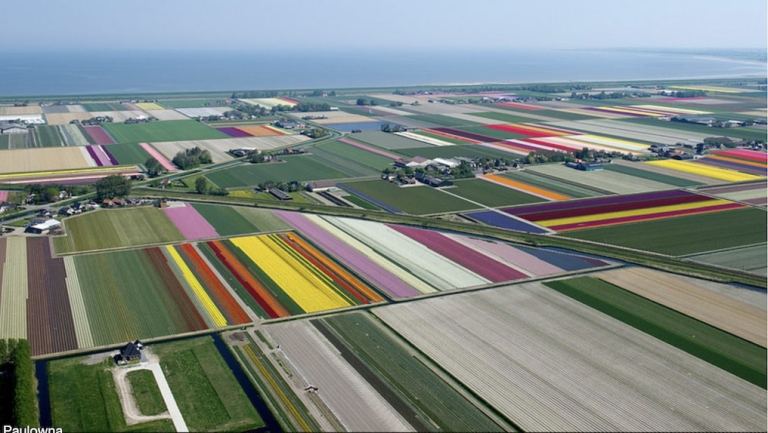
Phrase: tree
x=112 y=186
x=24 y=397
x=201 y=185
x=154 y=168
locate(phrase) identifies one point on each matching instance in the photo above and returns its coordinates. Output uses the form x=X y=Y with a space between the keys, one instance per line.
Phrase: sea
x=109 y=72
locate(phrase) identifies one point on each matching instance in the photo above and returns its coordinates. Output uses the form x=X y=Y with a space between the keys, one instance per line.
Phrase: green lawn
x=208 y=395
x=745 y=133
x=84 y=398
x=731 y=353
x=466 y=150
x=145 y=392
x=645 y=174
x=129 y=153
x=299 y=168
x=115 y=228
x=491 y=194
x=686 y=234
x=417 y=200
x=169 y=130
x=425 y=399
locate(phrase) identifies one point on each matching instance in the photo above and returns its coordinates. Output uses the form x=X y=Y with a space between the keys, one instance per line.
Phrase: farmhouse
x=450 y=163
x=130 y=353
x=585 y=166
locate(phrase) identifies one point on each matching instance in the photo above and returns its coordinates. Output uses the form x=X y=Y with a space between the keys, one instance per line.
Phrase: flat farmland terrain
x=170 y=130
x=491 y=194
x=418 y=200
x=550 y=363
x=686 y=234
x=300 y=168
x=116 y=228
x=466 y=150
x=208 y=395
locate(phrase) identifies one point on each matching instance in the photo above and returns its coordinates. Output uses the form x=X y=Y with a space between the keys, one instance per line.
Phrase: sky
x=382 y=24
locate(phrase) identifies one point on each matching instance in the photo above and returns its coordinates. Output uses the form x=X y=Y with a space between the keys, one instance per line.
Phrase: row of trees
x=191 y=158
x=18 y=400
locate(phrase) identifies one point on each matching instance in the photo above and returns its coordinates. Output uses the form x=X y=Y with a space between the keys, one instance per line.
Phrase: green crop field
x=466 y=150
x=686 y=234
x=645 y=174
x=116 y=228
x=208 y=395
x=347 y=152
x=299 y=168
x=387 y=140
x=440 y=120
x=493 y=133
x=745 y=133
x=491 y=194
x=129 y=153
x=133 y=294
x=191 y=103
x=169 y=130
x=104 y=106
x=417 y=200
x=427 y=401
x=568 y=188
x=740 y=357
x=84 y=398
x=360 y=202
x=146 y=392
x=16 y=141
x=48 y=136
x=230 y=221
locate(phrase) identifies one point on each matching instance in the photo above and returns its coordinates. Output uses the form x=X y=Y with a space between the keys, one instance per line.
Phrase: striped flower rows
x=283 y=274
x=705 y=170
x=612 y=210
x=743 y=160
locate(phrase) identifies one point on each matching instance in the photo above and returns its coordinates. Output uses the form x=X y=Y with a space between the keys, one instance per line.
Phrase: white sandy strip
x=203 y=111
x=380 y=260
x=552 y=363
x=595 y=113
x=576 y=144
x=77 y=304
x=476 y=119
x=611 y=142
x=166 y=115
x=437 y=270
x=89 y=161
x=630 y=130
x=424 y=139
x=356 y=404
x=666 y=109
x=390 y=110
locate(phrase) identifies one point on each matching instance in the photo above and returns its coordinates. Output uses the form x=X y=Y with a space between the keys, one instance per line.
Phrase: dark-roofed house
x=280 y=194
x=130 y=353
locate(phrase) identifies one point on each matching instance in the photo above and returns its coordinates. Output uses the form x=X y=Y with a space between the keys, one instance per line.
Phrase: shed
x=131 y=352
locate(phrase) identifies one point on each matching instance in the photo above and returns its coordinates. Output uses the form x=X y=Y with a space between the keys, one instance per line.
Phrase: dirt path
x=130 y=408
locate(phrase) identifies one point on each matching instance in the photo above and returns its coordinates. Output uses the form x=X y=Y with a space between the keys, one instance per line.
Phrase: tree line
x=18 y=398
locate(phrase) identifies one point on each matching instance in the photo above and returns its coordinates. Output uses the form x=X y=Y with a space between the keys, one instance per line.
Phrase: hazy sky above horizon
x=383 y=24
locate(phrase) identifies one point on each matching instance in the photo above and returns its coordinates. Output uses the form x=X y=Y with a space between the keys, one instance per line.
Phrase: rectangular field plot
x=466 y=150
x=171 y=130
x=608 y=180
x=490 y=194
x=547 y=362
x=299 y=168
x=418 y=200
x=753 y=259
x=686 y=234
x=729 y=352
x=115 y=229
